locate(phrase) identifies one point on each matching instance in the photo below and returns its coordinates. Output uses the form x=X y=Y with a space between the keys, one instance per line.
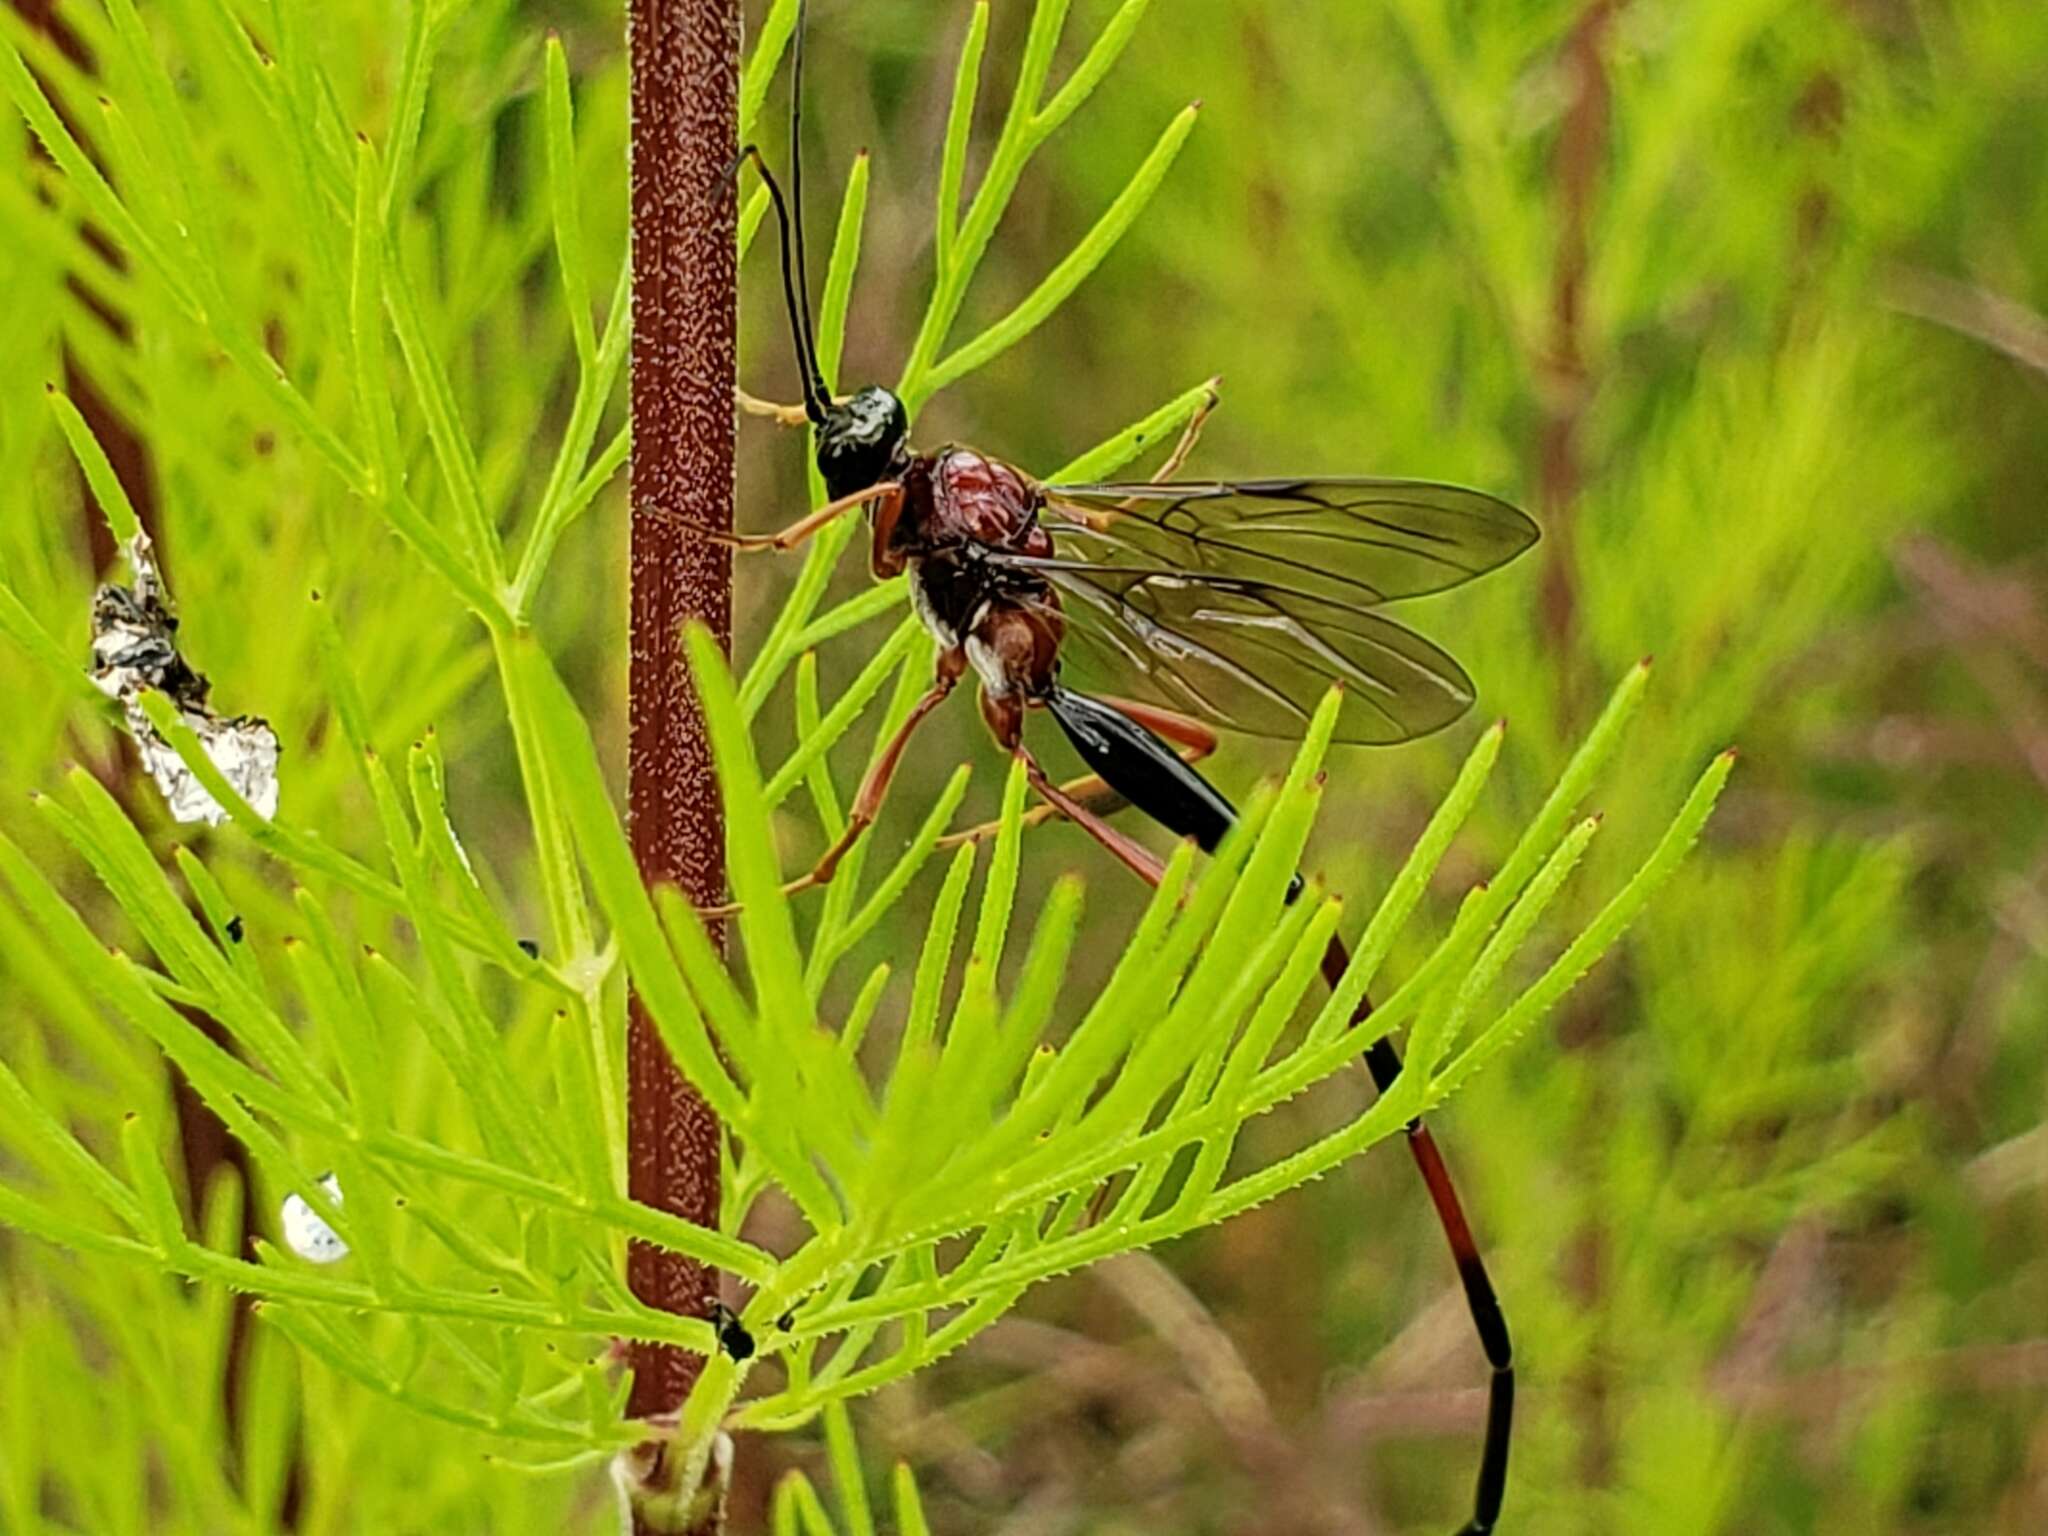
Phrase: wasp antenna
x=815 y=399
x=814 y=378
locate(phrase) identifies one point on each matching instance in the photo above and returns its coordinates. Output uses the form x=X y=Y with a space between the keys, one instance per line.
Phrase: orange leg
x=781 y=415
x=1190 y=435
x=874 y=786
x=1005 y=718
x=1136 y=857
x=797 y=531
x=1181 y=730
x=1195 y=740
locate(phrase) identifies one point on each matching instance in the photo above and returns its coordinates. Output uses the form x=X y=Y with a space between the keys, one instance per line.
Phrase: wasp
x=1207 y=606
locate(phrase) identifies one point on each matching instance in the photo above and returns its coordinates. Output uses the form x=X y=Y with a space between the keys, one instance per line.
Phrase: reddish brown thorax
x=954 y=505
x=957 y=495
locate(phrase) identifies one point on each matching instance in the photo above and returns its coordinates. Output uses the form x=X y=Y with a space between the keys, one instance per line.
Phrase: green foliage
x=799 y=1511
x=466 y=1094
x=372 y=283
x=1810 y=255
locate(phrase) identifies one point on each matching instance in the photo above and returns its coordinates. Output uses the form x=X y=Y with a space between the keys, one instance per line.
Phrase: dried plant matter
x=135 y=651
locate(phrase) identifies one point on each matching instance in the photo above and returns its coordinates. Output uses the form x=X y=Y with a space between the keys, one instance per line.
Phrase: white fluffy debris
x=305 y=1233
x=134 y=649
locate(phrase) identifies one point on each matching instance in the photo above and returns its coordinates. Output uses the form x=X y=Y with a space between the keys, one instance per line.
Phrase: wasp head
x=863 y=441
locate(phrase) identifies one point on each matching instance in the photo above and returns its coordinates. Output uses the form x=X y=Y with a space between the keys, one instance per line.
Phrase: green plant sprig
x=468 y=1095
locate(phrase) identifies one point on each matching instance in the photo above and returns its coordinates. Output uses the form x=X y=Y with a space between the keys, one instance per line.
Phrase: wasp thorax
x=863 y=441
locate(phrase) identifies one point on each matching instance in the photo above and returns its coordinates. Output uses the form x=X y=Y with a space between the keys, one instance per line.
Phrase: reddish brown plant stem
x=685 y=93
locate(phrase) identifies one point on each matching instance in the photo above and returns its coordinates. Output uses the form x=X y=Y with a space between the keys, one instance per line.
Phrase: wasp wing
x=1246 y=655
x=1347 y=540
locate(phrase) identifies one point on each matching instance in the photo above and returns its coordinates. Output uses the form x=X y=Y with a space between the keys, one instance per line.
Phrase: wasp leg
x=797 y=531
x=1185 y=731
x=874 y=786
x=1488 y=1321
x=781 y=415
x=1163 y=785
x=1195 y=740
x=1087 y=790
x=1190 y=434
x=1136 y=857
x=1005 y=718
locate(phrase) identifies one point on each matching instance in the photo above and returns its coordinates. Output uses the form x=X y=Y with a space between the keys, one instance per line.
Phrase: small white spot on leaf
x=305 y=1233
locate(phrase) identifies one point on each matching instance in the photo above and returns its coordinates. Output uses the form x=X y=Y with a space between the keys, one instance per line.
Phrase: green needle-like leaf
x=562 y=192
x=1059 y=283
x=107 y=489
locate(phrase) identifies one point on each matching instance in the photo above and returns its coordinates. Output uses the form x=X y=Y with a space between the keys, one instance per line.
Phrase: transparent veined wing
x=1348 y=540
x=1247 y=655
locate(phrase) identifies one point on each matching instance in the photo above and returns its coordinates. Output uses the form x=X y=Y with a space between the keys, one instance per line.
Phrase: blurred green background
x=1744 y=300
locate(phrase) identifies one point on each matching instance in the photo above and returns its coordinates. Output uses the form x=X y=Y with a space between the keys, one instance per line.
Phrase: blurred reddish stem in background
x=1578 y=162
x=1578 y=165
x=204 y=1144
x=685 y=62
